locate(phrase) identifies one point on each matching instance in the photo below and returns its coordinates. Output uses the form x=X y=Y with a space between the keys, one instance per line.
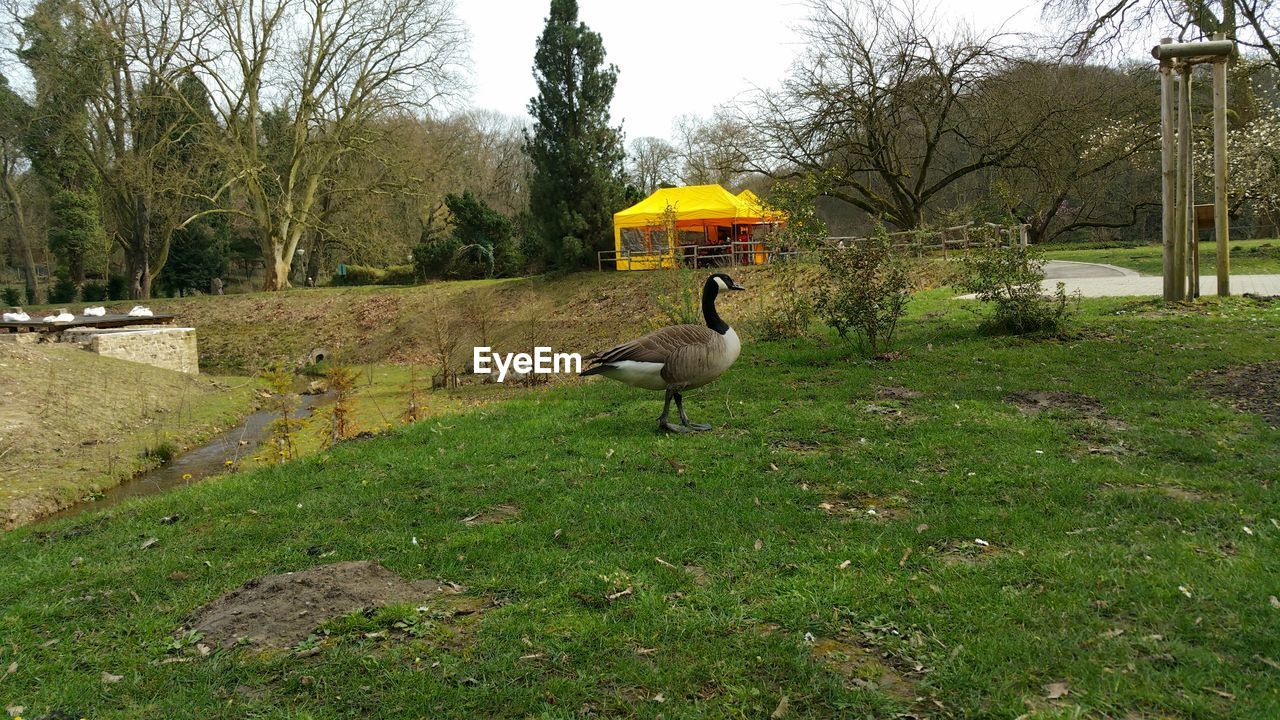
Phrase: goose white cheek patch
x=543 y=361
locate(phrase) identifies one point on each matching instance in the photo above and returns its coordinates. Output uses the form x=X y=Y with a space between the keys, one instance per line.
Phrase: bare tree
x=14 y=117
x=1093 y=166
x=329 y=68
x=889 y=111
x=651 y=163
x=711 y=150
x=1095 y=25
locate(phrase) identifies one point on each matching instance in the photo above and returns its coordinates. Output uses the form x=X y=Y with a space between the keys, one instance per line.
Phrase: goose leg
x=666 y=410
x=685 y=418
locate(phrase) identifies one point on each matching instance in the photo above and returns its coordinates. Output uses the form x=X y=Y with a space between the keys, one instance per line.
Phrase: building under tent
x=713 y=228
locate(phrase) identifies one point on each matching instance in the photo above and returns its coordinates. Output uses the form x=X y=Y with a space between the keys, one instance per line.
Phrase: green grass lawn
x=1127 y=559
x=1248 y=257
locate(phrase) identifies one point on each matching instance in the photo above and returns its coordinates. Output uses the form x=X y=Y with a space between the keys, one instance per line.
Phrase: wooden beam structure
x=1221 y=227
x=1179 y=236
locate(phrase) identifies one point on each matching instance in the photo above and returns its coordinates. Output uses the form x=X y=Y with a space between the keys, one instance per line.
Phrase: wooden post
x=1221 y=228
x=1180 y=192
x=1167 y=181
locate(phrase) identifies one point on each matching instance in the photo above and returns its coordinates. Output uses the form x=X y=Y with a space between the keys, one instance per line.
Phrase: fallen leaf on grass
x=646 y=651
x=1220 y=693
x=1267 y=661
x=922 y=527
x=759 y=544
x=844 y=565
x=1275 y=602
x=619 y=594
x=148 y=543
x=1056 y=690
x=14 y=710
x=1184 y=590
x=13 y=668
x=906 y=554
x=780 y=711
x=109 y=678
x=608 y=454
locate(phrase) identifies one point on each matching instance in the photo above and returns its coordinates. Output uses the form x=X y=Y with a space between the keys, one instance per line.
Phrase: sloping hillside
x=73 y=422
x=578 y=313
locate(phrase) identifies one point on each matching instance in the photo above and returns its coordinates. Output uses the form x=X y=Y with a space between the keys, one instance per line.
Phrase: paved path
x=1065 y=269
x=1098 y=280
x=1151 y=285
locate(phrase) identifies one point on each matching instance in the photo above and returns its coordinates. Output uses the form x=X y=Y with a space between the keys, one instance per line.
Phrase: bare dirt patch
x=860 y=667
x=1034 y=402
x=1170 y=491
x=966 y=552
x=894 y=392
x=1248 y=388
x=493 y=516
x=875 y=509
x=282 y=610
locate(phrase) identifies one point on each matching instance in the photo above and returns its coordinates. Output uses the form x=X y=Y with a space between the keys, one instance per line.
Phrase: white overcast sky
x=674 y=57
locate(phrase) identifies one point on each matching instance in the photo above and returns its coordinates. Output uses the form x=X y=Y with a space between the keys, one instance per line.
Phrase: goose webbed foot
x=684 y=419
x=672 y=427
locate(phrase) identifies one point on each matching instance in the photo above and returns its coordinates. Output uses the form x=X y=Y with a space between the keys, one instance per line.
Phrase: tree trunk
x=24 y=246
x=136 y=257
x=277 y=272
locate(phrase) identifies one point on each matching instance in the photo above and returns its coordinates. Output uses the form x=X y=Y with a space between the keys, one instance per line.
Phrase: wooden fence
x=757 y=252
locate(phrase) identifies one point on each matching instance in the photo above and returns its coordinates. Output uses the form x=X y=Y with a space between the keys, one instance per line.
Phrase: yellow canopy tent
x=712 y=226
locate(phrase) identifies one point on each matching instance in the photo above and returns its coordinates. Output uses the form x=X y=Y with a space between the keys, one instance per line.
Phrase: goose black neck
x=709 y=292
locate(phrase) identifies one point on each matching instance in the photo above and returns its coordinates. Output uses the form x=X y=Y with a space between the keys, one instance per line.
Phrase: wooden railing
x=760 y=252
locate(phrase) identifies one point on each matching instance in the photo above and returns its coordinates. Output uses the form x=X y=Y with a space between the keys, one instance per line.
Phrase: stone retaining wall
x=172 y=348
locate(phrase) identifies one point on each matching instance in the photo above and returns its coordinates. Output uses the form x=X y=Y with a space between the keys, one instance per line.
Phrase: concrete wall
x=172 y=348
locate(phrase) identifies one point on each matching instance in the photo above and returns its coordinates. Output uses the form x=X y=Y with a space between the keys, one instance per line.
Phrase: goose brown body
x=675 y=358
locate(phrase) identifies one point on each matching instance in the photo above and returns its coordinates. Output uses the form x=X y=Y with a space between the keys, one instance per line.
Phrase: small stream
x=200 y=463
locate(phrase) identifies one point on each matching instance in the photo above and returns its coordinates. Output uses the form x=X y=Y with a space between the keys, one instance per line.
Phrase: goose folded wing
x=657 y=346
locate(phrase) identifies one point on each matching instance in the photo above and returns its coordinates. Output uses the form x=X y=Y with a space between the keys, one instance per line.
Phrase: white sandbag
x=139 y=311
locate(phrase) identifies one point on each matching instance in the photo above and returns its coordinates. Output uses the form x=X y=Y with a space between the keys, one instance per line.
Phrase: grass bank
x=74 y=423
x=1248 y=257
x=934 y=535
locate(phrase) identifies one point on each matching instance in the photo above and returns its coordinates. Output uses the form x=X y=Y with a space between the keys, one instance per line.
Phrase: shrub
x=865 y=291
x=63 y=291
x=361 y=275
x=433 y=257
x=162 y=453
x=93 y=292
x=1009 y=279
x=398 y=275
x=786 y=309
x=11 y=296
x=117 y=288
x=677 y=292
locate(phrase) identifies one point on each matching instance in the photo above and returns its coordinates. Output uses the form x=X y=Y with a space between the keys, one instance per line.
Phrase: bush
x=865 y=291
x=63 y=291
x=1009 y=278
x=785 y=310
x=11 y=296
x=93 y=292
x=433 y=257
x=361 y=275
x=117 y=288
x=398 y=275
x=677 y=292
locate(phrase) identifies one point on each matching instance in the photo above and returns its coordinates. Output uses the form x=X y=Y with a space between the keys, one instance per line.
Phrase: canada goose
x=676 y=358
